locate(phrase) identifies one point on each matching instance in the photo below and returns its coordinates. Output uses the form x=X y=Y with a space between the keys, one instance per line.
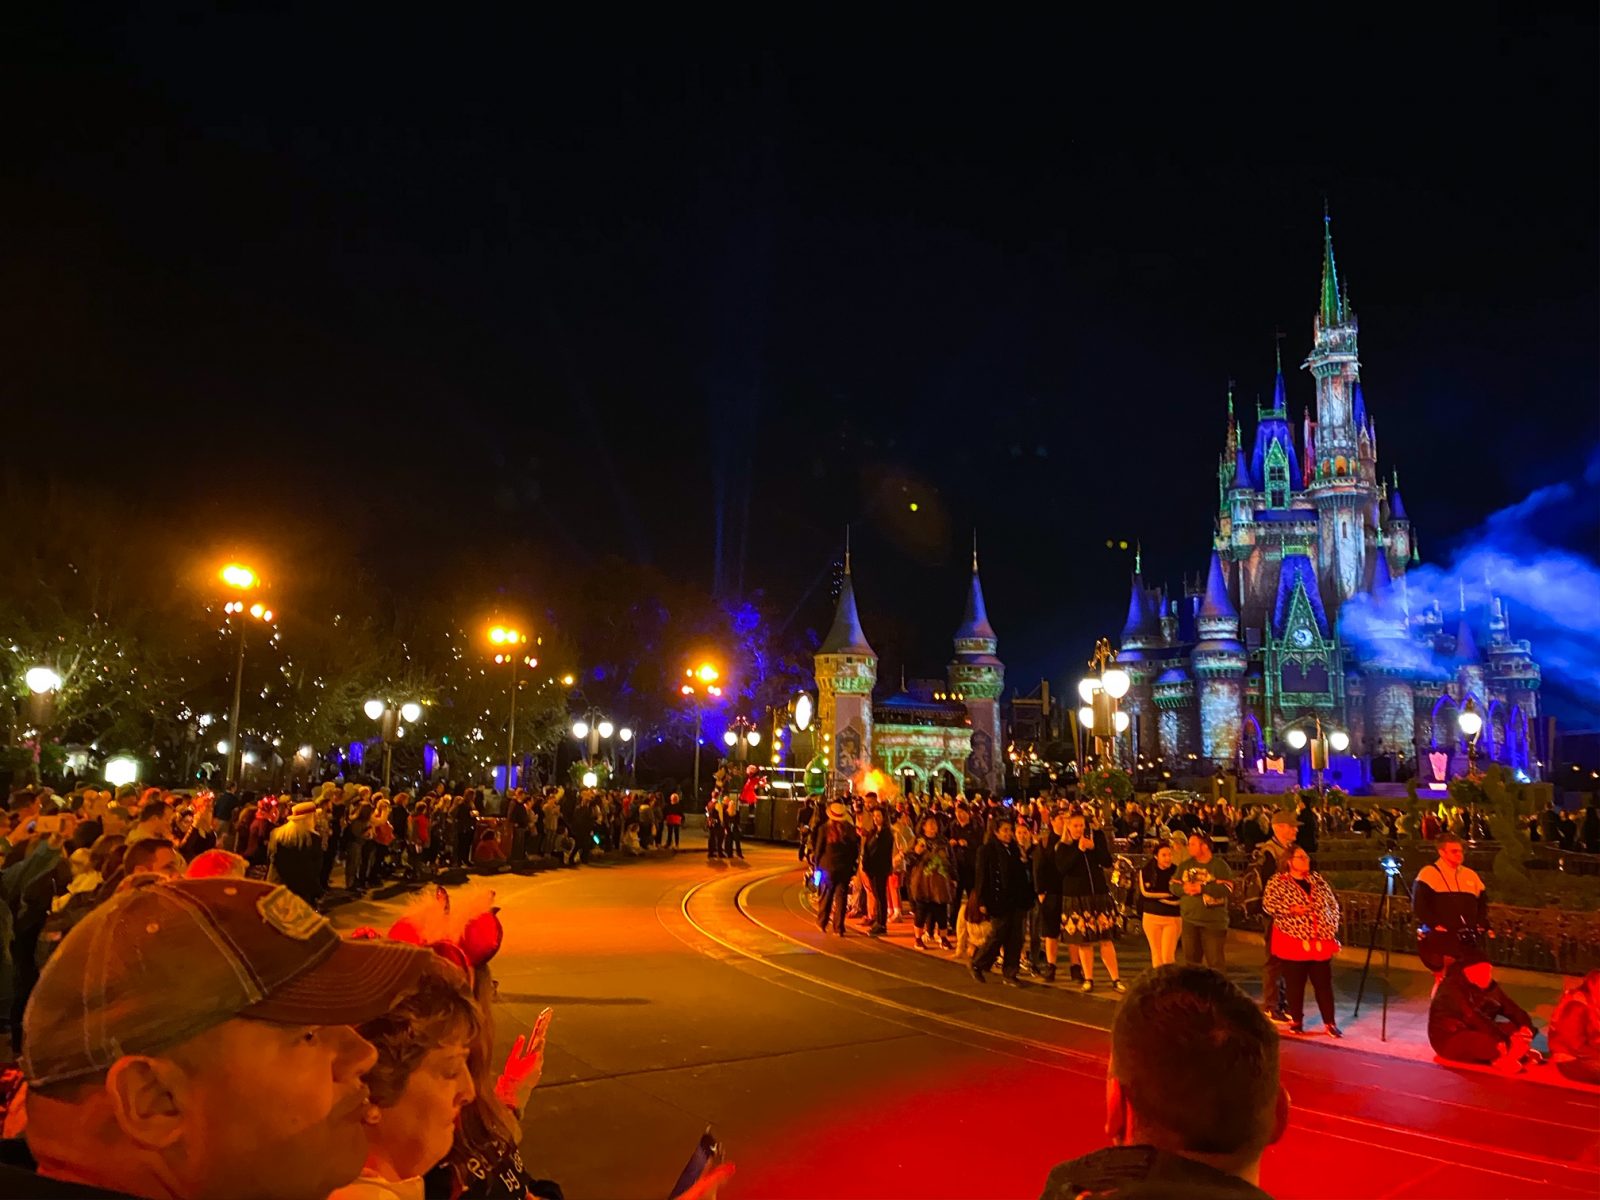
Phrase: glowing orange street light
x=502 y=635
x=241 y=578
x=706 y=675
x=237 y=575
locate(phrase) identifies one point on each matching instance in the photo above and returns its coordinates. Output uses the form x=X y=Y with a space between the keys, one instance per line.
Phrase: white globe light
x=1296 y=738
x=373 y=709
x=1339 y=740
x=223 y=747
x=606 y=728
x=249 y=757
x=1087 y=688
x=1471 y=723
x=625 y=734
x=41 y=680
x=753 y=738
x=590 y=779
x=803 y=710
x=580 y=729
x=1122 y=722
x=399 y=731
x=411 y=712
x=1086 y=717
x=305 y=752
x=1116 y=682
x=121 y=770
x=731 y=738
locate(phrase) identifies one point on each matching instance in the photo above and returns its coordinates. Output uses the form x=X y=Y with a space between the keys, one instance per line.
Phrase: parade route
x=689 y=994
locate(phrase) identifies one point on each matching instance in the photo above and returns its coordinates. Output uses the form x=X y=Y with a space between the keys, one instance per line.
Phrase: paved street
x=689 y=993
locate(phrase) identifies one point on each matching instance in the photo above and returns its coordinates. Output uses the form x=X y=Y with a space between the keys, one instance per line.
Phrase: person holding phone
x=1089 y=911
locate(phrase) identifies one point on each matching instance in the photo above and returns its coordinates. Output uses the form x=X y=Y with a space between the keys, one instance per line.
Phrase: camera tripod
x=1381 y=921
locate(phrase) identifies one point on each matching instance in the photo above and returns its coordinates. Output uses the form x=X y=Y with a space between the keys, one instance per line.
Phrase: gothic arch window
x=1341 y=465
x=1277 y=481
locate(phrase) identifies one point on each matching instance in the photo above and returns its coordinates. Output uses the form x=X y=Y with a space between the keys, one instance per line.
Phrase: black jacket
x=1046 y=867
x=839 y=857
x=1127 y=1172
x=964 y=842
x=1083 y=872
x=1003 y=881
x=1458 y=1007
x=877 y=854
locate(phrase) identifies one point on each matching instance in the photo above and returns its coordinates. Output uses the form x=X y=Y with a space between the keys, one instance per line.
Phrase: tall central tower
x=846 y=670
x=978 y=677
x=1340 y=489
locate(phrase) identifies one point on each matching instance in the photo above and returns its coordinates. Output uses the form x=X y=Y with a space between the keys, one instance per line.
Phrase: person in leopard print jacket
x=1305 y=929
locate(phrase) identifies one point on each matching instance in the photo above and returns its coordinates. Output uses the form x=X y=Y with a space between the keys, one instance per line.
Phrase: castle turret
x=978 y=678
x=1140 y=656
x=846 y=670
x=1219 y=663
x=1339 y=489
x=1400 y=540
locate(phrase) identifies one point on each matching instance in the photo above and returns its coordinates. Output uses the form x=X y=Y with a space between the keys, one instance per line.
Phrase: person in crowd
x=877 y=861
x=1002 y=895
x=733 y=809
x=1032 y=947
x=1472 y=1020
x=1309 y=824
x=1159 y=911
x=1574 y=1031
x=1088 y=909
x=1271 y=859
x=1191 y=1122
x=262 y=823
x=1047 y=882
x=217 y=864
x=153 y=856
x=930 y=880
x=905 y=836
x=963 y=835
x=1304 y=933
x=674 y=820
x=1203 y=885
x=294 y=854
x=1451 y=906
x=419 y=1084
x=155 y=821
x=223 y=997
x=715 y=829
x=196 y=831
x=840 y=854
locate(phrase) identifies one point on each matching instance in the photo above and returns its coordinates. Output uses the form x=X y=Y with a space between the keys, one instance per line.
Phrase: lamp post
x=702 y=679
x=1320 y=743
x=389 y=717
x=511 y=640
x=1101 y=692
x=44 y=684
x=741 y=737
x=240 y=578
x=1470 y=722
x=593 y=728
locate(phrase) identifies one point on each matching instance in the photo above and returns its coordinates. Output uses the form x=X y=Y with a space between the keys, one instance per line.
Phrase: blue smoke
x=1551 y=594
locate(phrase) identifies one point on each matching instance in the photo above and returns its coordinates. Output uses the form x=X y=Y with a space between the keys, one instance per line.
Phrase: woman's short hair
x=439 y=1009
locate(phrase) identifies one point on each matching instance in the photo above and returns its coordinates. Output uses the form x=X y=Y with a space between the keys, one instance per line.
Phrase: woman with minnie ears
x=482 y=1159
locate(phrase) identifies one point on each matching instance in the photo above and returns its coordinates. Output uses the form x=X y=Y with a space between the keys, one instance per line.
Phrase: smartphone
x=48 y=824
x=541 y=1023
x=707 y=1154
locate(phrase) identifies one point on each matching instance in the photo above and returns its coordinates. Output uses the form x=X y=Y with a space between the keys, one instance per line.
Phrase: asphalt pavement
x=689 y=993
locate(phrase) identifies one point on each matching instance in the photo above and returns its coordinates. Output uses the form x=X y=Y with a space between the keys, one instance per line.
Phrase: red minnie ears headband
x=466 y=941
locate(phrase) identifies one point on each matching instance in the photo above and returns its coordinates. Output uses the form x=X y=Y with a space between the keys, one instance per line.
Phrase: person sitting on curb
x=1574 y=1033
x=1472 y=1020
x=1192 y=1124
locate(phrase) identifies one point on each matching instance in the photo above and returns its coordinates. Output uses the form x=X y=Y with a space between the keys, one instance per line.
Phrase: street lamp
x=741 y=737
x=42 y=680
x=592 y=728
x=1320 y=743
x=389 y=716
x=510 y=640
x=701 y=679
x=1100 y=693
x=240 y=578
x=1470 y=722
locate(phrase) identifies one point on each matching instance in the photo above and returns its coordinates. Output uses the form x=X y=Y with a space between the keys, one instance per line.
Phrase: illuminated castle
x=1303 y=611
x=928 y=734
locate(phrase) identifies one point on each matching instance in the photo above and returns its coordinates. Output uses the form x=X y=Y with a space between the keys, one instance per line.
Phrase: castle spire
x=1217 y=602
x=1331 y=305
x=1138 y=558
x=1397 y=507
x=845 y=636
x=1278 y=393
x=974 y=550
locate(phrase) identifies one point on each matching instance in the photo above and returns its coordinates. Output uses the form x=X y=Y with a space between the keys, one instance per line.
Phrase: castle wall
x=1391 y=714
x=1221 y=707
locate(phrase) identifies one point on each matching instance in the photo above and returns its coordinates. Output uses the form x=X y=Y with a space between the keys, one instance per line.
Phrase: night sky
x=701 y=298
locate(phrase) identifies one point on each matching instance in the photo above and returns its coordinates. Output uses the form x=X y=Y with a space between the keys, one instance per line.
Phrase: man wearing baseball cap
x=193 y=1038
